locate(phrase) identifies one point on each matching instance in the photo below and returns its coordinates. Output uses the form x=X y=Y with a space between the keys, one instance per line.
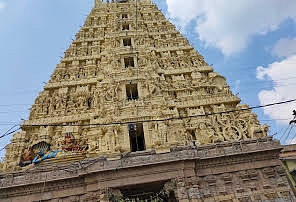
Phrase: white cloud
x=285 y=47
x=229 y=25
x=283 y=77
x=2 y=5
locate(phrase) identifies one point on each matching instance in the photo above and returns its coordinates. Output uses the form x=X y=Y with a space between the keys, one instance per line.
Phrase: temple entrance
x=137 y=139
x=147 y=192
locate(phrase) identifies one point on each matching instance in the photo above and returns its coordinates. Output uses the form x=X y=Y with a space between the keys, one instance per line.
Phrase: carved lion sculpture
x=256 y=132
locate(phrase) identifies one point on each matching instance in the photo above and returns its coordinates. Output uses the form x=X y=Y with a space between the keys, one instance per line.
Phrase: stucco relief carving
x=173 y=82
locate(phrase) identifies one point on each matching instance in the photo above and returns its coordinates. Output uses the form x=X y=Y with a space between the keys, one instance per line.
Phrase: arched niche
x=41 y=146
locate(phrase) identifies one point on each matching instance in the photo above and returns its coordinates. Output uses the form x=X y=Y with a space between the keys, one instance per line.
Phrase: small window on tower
x=129 y=62
x=137 y=139
x=293 y=174
x=127 y=42
x=132 y=91
x=124 y=16
x=125 y=27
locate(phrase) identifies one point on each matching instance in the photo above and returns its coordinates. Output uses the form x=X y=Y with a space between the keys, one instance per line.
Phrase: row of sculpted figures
x=225 y=127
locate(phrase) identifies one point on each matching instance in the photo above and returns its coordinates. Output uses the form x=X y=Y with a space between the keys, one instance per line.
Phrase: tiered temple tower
x=132 y=99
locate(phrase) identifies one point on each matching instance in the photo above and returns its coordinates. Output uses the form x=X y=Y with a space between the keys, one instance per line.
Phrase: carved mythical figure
x=26 y=158
x=232 y=133
x=68 y=143
x=41 y=156
x=258 y=131
x=204 y=135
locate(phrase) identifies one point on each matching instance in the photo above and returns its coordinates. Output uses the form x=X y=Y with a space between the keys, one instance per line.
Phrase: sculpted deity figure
x=41 y=156
x=150 y=86
x=73 y=50
x=163 y=133
x=219 y=108
x=26 y=158
x=94 y=141
x=204 y=135
x=108 y=141
x=232 y=133
x=218 y=135
x=156 y=140
x=188 y=138
x=69 y=142
x=111 y=91
x=196 y=75
x=116 y=131
x=176 y=134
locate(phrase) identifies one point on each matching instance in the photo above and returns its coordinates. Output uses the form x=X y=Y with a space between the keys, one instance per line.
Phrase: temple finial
x=98 y=3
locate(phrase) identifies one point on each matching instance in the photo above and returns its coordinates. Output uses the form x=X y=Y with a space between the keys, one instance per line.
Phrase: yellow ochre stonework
x=130 y=65
x=133 y=113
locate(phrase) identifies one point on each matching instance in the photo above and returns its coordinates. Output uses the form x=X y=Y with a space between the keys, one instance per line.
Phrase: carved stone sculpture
x=111 y=76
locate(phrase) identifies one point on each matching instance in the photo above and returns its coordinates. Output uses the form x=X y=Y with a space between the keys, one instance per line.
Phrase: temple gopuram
x=133 y=113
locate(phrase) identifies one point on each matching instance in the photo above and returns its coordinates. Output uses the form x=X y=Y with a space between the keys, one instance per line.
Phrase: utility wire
x=293 y=123
x=6 y=134
x=167 y=119
x=293 y=135
x=9 y=130
x=288 y=134
x=289 y=127
x=3 y=148
x=284 y=134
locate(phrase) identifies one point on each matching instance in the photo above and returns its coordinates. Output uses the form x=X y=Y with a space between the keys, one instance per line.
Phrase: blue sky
x=250 y=42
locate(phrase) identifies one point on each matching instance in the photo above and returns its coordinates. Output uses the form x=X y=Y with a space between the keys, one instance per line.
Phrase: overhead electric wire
x=6 y=134
x=288 y=134
x=166 y=119
x=9 y=130
x=292 y=124
x=293 y=135
x=284 y=134
x=3 y=148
